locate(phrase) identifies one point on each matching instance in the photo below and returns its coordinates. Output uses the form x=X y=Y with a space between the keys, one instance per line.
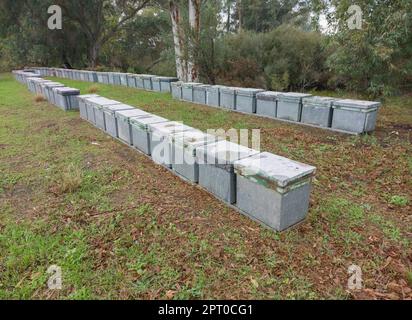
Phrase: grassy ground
x=121 y=227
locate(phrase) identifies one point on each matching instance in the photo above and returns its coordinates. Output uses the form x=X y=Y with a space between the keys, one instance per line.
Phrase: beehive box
x=139 y=81
x=97 y=106
x=123 y=124
x=228 y=97
x=216 y=171
x=165 y=83
x=131 y=80
x=103 y=77
x=187 y=90
x=161 y=143
x=317 y=111
x=199 y=94
x=123 y=79
x=110 y=119
x=246 y=99
x=156 y=84
x=50 y=93
x=213 y=96
x=184 y=146
x=140 y=131
x=267 y=104
x=82 y=104
x=355 y=116
x=177 y=90
x=45 y=88
x=66 y=98
x=290 y=106
x=273 y=190
x=147 y=81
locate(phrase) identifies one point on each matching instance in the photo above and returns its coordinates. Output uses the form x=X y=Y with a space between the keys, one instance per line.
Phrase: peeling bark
x=181 y=69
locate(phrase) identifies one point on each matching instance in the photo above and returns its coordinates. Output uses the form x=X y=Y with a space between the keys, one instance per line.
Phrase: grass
x=121 y=227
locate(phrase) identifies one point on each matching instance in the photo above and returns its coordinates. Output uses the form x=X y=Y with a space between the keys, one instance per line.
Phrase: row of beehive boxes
x=268 y=188
x=346 y=115
x=140 y=81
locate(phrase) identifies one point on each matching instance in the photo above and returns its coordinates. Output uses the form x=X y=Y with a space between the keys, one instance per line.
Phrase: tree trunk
x=181 y=69
x=240 y=13
x=194 y=22
x=94 y=52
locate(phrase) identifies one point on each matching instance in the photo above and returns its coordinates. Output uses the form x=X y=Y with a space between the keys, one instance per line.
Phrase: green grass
x=121 y=227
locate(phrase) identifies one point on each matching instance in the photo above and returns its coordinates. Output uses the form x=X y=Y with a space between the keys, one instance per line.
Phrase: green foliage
x=376 y=58
x=286 y=58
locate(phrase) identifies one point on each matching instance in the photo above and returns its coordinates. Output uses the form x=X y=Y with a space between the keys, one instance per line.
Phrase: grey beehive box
x=160 y=140
x=139 y=81
x=123 y=79
x=131 y=80
x=290 y=106
x=123 y=124
x=187 y=90
x=246 y=99
x=82 y=104
x=110 y=119
x=317 y=111
x=213 y=96
x=184 y=146
x=176 y=88
x=165 y=83
x=147 y=81
x=66 y=98
x=156 y=84
x=267 y=104
x=355 y=116
x=50 y=93
x=140 y=131
x=228 y=97
x=216 y=171
x=199 y=94
x=273 y=190
x=98 y=105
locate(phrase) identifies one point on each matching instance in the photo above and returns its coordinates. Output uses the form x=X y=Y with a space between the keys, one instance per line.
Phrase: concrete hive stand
x=161 y=142
x=273 y=190
x=216 y=171
x=123 y=124
x=246 y=99
x=140 y=131
x=184 y=146
x=267 y=104
x=110 y=119
x=317 y=111
x=290 y=106
x=355 y=115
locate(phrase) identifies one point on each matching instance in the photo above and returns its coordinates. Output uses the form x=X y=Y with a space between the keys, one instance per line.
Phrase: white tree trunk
x=194 y=22
x=181 y=68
